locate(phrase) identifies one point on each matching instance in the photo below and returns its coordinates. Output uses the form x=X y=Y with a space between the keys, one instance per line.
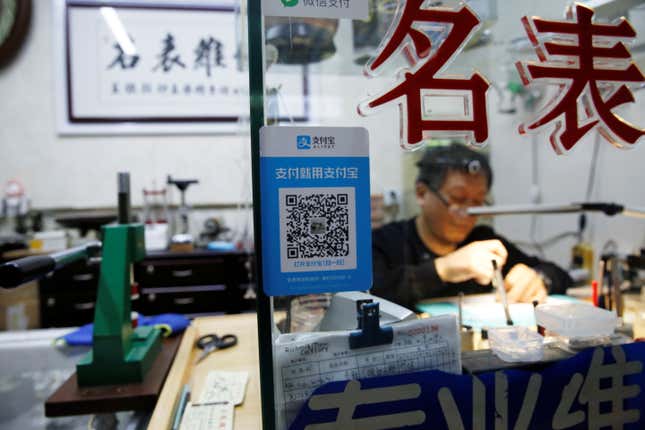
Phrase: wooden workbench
x=242 y=357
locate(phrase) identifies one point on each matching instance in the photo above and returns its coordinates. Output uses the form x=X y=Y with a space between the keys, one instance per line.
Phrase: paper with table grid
x=208 y=416
x=305 y=361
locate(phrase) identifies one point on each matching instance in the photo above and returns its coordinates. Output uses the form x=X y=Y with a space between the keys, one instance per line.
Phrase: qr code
x=317 y=228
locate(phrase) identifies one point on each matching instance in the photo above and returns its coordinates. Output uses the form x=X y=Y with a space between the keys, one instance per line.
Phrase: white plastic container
x=49 y=241
x=576 y=320
x=516 y=344
x=156 y=236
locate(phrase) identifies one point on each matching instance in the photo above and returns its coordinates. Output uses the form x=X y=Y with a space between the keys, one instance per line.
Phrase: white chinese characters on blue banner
x=315 y=205
x=598 y=388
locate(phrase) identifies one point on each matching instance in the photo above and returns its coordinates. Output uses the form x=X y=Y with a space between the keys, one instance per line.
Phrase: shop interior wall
x=79 y=172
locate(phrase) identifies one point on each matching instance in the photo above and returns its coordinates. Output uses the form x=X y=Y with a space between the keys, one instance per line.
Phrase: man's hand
x=524 y=284
x=473 y=261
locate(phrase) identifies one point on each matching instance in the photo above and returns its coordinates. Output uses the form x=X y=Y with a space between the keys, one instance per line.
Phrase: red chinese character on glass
x=589 y=65
x=420 y=117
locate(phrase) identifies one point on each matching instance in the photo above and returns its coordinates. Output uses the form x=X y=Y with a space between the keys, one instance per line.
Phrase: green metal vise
x=120 y=354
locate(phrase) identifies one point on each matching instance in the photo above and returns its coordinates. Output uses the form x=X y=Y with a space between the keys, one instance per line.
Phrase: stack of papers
x=215 y=408
x=305 y=361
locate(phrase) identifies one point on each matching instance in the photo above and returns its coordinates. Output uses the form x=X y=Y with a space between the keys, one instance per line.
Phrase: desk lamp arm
x=606 y=208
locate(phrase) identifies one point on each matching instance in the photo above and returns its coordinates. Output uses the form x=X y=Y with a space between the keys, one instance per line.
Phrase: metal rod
x=498 y=282
x=606 y=208
x=460 y=309
x=524 y=209
x=123 y=183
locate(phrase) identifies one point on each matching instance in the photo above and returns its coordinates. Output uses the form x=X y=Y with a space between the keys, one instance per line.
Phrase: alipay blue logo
x=303 y=142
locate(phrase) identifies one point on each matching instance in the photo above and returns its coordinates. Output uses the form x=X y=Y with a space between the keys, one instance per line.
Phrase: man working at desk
x=441 y=252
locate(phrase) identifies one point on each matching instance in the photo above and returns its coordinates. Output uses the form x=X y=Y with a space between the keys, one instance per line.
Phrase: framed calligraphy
x=140 y=67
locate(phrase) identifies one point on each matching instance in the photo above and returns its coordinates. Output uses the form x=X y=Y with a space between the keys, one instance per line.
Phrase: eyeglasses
x=457 y=206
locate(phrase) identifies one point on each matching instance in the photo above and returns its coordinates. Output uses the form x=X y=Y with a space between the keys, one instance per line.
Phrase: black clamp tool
x=369 y=333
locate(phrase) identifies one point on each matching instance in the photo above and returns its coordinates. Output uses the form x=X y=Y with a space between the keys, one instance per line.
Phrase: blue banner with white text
x=597 y=388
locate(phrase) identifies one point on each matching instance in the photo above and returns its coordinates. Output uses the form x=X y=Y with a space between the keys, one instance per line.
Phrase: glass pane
x=315 y=76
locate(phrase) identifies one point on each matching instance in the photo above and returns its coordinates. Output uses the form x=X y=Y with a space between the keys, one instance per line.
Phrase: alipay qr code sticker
x=315 y=209
x=317 y=229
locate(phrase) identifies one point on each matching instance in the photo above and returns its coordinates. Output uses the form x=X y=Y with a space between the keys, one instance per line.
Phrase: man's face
x=459 y=189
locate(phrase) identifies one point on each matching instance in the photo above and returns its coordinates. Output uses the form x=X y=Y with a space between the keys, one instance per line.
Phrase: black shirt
x=404 y=270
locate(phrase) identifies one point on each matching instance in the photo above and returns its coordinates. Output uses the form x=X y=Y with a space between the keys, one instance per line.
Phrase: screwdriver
x=498 y=283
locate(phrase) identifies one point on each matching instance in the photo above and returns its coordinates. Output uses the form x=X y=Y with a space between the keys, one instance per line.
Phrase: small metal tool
x=212 y=342
x=460 y=309
x=181 y=407
x=498 y=283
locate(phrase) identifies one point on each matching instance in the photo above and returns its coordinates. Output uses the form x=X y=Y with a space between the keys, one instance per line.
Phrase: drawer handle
x=84 y=306
x=83 y=277
x=184 y=301
x=182 y=273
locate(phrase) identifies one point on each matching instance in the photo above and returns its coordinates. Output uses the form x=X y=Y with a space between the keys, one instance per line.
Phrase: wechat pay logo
x=289 y=3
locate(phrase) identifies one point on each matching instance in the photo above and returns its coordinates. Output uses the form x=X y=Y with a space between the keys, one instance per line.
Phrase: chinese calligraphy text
x=421 y=81
x=588 y=64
